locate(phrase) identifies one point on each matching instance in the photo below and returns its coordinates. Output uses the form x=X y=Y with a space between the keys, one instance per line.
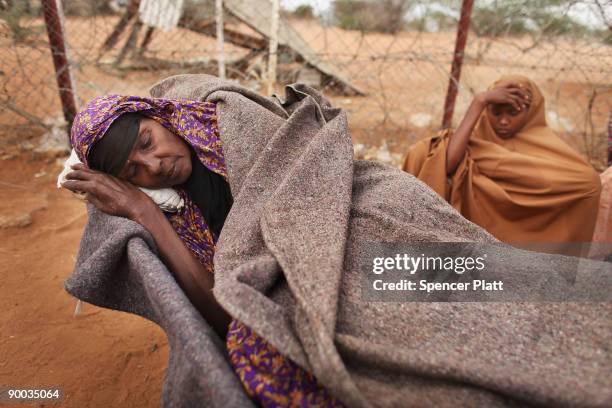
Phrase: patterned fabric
x=191 y=227
x=267 y=376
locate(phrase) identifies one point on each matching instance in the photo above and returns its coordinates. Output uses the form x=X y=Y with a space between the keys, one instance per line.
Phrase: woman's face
x=506 y=120
x=159 y=158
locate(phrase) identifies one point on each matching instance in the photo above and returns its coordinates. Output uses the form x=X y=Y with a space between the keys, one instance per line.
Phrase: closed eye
x=146 y=140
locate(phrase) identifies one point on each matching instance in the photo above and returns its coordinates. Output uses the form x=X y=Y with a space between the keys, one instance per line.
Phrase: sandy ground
x=100 y=358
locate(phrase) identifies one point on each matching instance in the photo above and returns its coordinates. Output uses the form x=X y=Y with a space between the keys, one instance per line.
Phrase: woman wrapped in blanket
x=125 y=142
x=505 y=170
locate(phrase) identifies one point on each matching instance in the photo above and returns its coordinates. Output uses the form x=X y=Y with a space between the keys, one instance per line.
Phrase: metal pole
x=273 y=57
x=453 y=83
x=220 y=41
x=53 y=20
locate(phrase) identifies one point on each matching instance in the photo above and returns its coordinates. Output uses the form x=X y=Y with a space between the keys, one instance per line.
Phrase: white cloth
x=164 y=14
x=166 y=198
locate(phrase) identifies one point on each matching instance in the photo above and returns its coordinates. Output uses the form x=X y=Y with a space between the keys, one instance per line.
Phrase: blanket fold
x=118 y=268
x=287 y=265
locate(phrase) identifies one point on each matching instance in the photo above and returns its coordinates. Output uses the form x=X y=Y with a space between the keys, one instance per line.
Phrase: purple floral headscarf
x=189 y=120
x=195 y=122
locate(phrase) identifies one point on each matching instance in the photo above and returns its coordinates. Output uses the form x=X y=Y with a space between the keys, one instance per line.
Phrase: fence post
x=453 y=83
x=53 y=21
x=220 y=40
x=273 y=57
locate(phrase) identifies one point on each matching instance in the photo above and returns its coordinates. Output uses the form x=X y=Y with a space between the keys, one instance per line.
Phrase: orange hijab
x=532 y=187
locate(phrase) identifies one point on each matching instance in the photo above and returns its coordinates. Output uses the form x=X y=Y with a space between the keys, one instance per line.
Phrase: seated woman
x=126 y=142
x=505 y=170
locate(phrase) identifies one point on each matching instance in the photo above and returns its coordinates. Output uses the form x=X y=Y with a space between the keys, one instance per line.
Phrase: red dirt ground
x=100 y=358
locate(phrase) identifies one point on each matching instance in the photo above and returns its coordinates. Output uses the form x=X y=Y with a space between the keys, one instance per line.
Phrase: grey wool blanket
x=287 y=265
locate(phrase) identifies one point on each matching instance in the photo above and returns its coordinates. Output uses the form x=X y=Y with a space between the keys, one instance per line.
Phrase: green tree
x=304 y=11
x=386 y=16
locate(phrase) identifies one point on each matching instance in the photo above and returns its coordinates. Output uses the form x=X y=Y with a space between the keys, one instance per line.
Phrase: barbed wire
x=389 y=74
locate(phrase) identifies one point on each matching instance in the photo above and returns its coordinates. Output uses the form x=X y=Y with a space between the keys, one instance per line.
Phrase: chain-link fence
x=386 y=62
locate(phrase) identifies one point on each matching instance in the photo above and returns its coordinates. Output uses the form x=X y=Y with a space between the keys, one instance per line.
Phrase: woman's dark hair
x=110 y=153
x=210 y=192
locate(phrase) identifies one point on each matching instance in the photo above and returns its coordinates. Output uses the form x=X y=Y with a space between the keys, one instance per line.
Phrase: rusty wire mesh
x=390 y=74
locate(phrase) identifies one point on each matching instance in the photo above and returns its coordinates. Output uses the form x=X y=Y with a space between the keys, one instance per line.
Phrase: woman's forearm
x=118 y=197
x=188 y=272
x=459 y=139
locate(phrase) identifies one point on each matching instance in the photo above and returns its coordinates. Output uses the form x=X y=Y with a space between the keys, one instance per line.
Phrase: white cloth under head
x=167 y=199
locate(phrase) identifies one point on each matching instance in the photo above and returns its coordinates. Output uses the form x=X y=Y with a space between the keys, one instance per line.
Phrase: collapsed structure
x=298 y=61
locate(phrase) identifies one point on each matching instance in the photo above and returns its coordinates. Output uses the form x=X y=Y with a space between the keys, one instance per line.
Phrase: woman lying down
x=286 y=286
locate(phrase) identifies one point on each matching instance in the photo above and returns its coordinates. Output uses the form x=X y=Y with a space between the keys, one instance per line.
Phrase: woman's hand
x=511 y=94
x=117 y=197
x=109 y=194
